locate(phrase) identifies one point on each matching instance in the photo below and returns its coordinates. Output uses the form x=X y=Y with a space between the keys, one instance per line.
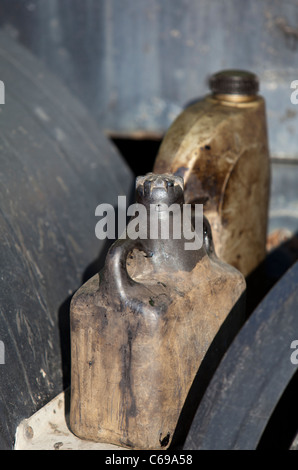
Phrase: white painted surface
x=48 y=429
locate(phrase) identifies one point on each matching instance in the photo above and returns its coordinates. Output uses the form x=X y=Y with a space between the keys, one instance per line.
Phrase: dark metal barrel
x=55 y=168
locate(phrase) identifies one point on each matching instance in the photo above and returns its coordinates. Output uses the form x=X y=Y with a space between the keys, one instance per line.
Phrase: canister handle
x=115 y=274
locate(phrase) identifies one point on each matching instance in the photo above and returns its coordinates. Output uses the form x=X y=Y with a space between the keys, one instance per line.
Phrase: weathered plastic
x=142 y=326
x=219 y=145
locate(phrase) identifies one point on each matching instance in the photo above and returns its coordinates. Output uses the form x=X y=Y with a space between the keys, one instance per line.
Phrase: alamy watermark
x=2 y=92
x=294 y=355
x=153 y=222
x=294 y=94
x=2 y=353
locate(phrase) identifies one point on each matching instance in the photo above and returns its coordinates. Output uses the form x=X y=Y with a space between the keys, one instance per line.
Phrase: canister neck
x=234 y=98
x=166 y=224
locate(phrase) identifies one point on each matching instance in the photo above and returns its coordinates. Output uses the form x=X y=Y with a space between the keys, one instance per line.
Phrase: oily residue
x=126 y=384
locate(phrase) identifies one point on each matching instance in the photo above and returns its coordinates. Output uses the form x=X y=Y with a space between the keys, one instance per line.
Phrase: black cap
x=234 y=82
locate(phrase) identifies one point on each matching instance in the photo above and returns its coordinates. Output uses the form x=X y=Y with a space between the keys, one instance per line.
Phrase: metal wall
x=135 y=64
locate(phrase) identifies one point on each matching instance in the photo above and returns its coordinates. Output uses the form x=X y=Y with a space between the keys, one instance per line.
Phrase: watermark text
x=294 y=94
x=2 y=353
x=158 y=221
x=2 y=92
x=294 y=355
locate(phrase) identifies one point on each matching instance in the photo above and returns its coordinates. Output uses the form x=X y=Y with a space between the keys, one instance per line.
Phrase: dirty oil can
x=141 y=328
x=220 y=147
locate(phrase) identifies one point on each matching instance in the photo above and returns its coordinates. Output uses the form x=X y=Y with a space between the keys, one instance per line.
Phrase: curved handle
x=115 y=275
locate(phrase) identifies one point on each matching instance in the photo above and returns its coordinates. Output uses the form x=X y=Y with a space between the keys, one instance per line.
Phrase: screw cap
x=234 y=82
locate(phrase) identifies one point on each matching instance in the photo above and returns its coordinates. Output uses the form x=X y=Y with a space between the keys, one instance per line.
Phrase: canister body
x=220 y=148
x=141 y=328
x=132 y=369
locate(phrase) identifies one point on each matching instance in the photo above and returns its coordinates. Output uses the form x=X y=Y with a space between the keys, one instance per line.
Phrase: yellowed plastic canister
x=219 y=146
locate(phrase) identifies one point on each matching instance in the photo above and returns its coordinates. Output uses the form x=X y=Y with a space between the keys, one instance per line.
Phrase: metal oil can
x=142 y=326
x=219 y=145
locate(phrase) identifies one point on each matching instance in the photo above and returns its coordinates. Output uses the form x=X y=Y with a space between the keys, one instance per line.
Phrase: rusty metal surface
x=135 y=65
x=283 y=209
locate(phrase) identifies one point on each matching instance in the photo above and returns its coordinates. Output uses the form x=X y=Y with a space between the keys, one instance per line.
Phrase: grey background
x=136 y=63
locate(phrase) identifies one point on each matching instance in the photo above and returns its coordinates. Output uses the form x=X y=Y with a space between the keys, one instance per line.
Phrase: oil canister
x=219 y=145
x=141 y=327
